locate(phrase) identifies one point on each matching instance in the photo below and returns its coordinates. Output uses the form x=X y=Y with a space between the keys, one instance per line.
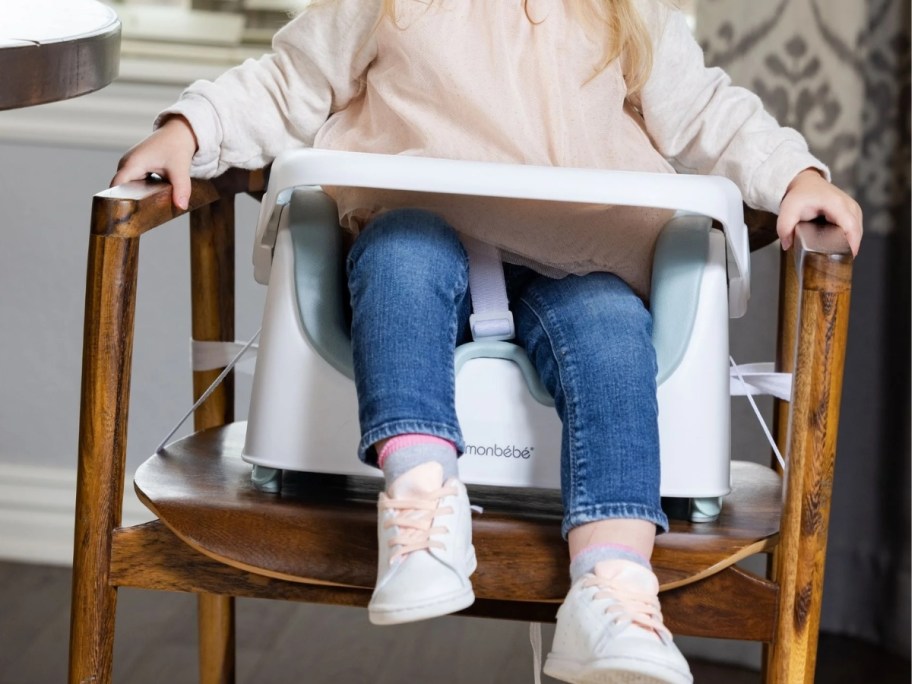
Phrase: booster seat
x=303 y=414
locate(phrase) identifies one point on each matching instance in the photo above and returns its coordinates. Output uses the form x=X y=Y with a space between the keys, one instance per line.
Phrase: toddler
x=615 y=84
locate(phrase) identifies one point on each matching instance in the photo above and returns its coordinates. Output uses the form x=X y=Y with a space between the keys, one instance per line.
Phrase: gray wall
x=45 y=195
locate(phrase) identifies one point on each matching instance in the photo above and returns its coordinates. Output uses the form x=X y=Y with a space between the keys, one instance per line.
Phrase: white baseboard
x=37 y=507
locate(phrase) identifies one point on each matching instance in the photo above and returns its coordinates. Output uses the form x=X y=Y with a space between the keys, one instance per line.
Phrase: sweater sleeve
x=251 y=113
x=704 y=124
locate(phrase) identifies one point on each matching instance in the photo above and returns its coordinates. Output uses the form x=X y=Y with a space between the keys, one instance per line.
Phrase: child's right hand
x=168 y=153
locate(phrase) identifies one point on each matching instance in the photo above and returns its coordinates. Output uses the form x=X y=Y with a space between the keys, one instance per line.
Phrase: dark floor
x=281 y=642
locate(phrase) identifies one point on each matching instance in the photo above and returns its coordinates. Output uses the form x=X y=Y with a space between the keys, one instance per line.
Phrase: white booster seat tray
x=303 y=414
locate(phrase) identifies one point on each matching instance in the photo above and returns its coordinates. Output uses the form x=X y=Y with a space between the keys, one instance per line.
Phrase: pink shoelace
x=415 y=519
x=629 y=606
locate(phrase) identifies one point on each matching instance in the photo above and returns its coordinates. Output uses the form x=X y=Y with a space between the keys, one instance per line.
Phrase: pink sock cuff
x=410 y=440
x=621 y=548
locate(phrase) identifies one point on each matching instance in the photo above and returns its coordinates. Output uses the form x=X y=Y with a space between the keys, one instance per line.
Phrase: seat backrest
x=679 y=267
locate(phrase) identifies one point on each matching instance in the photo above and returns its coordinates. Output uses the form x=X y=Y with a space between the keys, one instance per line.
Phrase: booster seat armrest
x=711 y=196
x=131 y=209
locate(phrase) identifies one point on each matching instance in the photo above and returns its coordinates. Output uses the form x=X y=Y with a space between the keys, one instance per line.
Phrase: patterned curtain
x=838 y=71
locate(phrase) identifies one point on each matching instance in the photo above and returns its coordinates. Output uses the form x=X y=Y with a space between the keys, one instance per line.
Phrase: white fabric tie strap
x=229 y=366
x=760 y=378
x=206 y=355
x=536 y=638
x=491 y=318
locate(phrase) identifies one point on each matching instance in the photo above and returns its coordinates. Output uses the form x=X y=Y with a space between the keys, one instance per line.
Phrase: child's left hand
x=810 y=195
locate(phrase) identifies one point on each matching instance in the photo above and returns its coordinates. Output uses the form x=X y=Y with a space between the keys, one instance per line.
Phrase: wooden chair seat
x=322 y=528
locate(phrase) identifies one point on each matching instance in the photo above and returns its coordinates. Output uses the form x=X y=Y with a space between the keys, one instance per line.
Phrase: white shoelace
x=627 y=607
x=414 y=517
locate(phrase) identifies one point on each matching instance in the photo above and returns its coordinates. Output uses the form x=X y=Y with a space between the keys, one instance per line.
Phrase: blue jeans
x=589 y=337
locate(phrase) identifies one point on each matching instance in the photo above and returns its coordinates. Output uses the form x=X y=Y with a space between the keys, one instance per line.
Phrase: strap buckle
x=492 y=325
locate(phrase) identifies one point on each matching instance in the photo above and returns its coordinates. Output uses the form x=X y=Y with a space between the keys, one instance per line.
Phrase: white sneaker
x=609 y=630
x=425 y=555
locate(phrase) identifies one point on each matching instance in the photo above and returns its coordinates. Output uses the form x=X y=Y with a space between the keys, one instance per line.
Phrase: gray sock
x=585 y=560
x=406 y=458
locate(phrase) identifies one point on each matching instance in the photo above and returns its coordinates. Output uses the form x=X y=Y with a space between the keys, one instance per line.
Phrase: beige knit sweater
x=475 y=79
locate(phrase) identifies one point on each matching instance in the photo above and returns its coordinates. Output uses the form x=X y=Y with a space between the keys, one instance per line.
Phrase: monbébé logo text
x=509 y=451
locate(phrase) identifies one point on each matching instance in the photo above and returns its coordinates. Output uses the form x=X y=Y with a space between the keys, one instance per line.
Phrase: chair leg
x=216 y=639
x=107 y=350
x=91 y=631
x=212 y=274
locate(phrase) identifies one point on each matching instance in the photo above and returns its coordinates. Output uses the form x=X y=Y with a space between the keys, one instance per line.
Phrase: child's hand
x=168 y=153
x=810 y=195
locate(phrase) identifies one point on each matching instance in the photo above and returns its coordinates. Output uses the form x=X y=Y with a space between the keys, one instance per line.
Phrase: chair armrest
x=824 y=252
x=133 y=208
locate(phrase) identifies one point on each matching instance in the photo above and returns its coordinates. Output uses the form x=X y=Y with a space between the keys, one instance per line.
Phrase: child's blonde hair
x=626 y=37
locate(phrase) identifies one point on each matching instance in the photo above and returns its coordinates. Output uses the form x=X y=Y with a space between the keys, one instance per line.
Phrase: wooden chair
x=218 y=537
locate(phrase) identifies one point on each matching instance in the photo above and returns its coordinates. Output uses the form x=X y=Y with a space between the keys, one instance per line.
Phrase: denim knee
x=405 y=239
